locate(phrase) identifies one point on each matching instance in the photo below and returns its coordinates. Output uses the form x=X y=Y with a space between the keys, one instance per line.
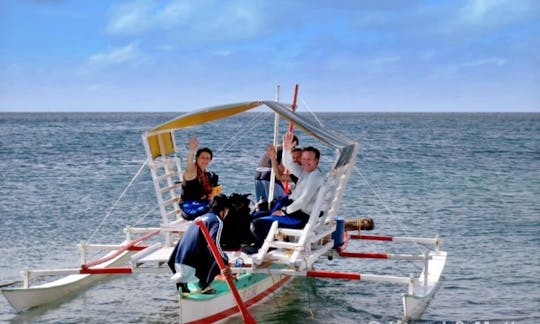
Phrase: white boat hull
x=416 y=303
x=25 y=298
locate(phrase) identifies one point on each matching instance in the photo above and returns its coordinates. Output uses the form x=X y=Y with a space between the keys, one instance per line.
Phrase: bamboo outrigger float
x=258 y=275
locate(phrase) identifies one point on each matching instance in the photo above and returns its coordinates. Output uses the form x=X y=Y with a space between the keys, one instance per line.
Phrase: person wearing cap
x=191 y=258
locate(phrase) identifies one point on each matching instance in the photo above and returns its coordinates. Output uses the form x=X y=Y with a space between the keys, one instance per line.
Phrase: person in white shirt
x=297 y=208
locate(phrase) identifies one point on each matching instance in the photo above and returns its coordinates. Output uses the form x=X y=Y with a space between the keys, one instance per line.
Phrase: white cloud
x=487 y=61
x=127 y=54
x=196 y=21
x=129 y=18
x=493 y=12
x=141 y=16
x=454 y=70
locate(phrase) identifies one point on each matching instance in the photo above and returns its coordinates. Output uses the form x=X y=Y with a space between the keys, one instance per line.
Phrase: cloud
x=493 y=60
x=127 y=54
x=199 y=21
x=490 y=13
x=138 y=17
x=465 y=67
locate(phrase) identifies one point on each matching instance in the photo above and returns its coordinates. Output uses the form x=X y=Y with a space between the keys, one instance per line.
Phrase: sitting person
x=198 y=185
x=295 y=209
x=191 y=258
x=265 y=208
x=279 y=169
x=263 y=172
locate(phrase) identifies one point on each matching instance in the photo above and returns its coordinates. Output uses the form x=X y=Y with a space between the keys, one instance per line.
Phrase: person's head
x=297 y=155
x=310 y=158
x=203 y=157
x=220 y=205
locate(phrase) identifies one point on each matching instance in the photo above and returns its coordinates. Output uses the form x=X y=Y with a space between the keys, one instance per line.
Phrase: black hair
x=314 y=150
x=219 y=203
x=204 y=149
x=371 y=224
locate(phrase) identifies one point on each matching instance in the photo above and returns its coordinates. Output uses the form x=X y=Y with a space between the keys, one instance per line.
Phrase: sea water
x=473 y=179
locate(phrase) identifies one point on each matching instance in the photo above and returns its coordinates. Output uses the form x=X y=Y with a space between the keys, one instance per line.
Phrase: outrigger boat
x=286 y=253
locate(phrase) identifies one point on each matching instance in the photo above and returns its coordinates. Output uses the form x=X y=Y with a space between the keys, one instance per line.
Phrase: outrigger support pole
x=422 y=240
x=360 y=276
x=383 y=255
x=246 y=316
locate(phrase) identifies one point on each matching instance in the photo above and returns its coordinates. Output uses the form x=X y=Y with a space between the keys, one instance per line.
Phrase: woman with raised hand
x=199 y=185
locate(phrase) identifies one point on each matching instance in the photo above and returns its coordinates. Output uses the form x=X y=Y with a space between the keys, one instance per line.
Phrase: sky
x=177 y=55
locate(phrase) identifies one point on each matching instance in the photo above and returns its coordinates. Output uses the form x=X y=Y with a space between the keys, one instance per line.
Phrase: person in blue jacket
x=191 y=258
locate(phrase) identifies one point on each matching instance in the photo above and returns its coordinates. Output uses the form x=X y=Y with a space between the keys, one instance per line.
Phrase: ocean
x=471 y=178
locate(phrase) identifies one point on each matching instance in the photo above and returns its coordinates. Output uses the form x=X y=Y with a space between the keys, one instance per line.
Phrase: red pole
x=291 y=127
x=368 y=255
x=246 y=316
x=372 y=237
x=111 y=270
x=334 y=274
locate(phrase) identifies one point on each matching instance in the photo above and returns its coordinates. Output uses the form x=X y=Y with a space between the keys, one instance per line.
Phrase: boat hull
x=253 y=289
x=416 y=303
x=25 y=298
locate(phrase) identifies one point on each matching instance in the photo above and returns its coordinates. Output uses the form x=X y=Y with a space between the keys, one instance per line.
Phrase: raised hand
x=193 y=143
x=288 y=141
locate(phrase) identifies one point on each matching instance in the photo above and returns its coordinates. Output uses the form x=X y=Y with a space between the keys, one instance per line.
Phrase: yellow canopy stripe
x=165 y=131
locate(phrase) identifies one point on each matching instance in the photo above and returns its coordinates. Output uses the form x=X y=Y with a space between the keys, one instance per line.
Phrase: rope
x=402 y=225
x=396 y=219
x=118 y=200
x=251 y=125
x=148 y=213
x=312 y=316
x=311 y=112
x=273 y=296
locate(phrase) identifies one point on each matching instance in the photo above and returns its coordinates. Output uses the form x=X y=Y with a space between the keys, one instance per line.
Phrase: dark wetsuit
x=193 y=250
x=194 y=198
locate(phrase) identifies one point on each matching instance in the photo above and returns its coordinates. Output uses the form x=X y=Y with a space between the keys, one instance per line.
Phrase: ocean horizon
x=472 y=178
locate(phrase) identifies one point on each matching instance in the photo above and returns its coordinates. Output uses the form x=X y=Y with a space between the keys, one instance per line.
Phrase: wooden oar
x=246 y=316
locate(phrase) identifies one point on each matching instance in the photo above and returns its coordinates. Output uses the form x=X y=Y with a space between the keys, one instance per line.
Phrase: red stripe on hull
x=233 y=310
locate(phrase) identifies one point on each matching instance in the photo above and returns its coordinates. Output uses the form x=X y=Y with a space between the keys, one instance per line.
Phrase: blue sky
x=476 y=55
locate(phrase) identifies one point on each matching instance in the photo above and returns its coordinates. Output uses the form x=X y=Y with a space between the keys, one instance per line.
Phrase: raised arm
x=191 y=168
x=288 y=145
x=278 y=169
